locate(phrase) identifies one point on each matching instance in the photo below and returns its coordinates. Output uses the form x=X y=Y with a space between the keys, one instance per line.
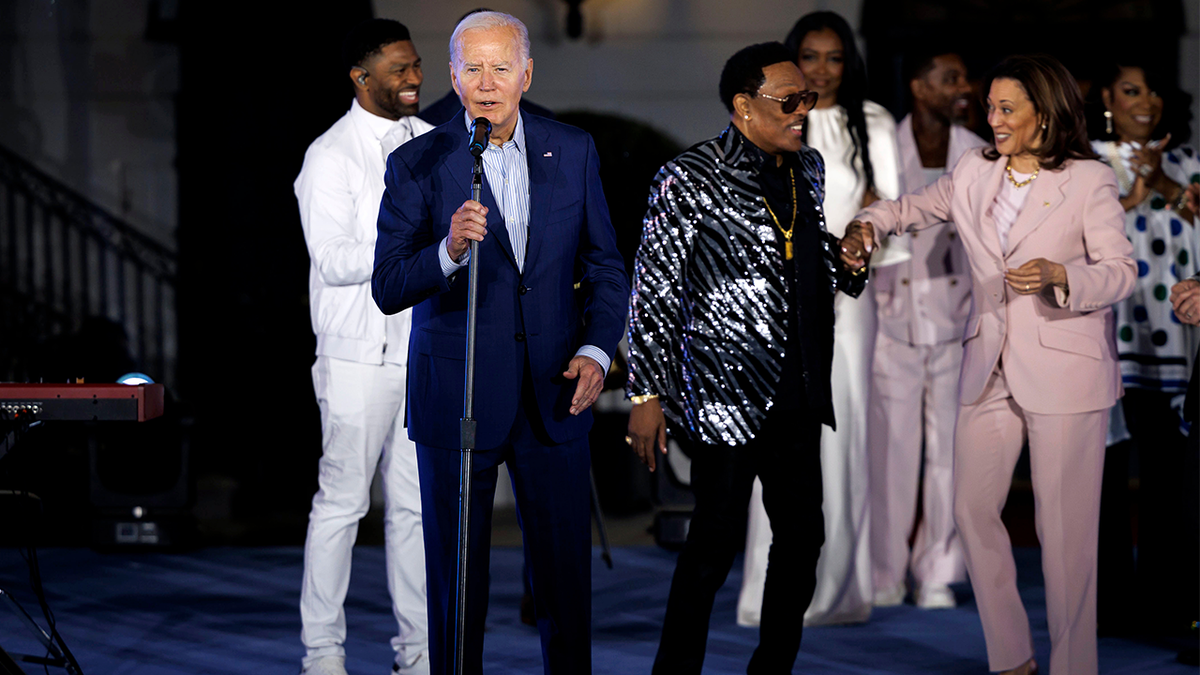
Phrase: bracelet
x=642 y=398
x=1180 y=201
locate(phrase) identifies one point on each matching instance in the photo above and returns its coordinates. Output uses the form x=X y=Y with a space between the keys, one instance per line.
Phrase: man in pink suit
x=1044 y=234
x=922 y=305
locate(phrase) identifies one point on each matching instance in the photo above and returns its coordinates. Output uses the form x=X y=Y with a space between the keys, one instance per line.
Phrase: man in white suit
x=922 y=305
x=362 y=356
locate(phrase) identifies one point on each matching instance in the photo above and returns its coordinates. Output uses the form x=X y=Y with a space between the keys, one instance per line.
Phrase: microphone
x=481 y=129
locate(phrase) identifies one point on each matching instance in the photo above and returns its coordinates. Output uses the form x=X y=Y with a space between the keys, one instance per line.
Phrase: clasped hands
x=858 y=243
x=1185 y=301
x=1028 y=279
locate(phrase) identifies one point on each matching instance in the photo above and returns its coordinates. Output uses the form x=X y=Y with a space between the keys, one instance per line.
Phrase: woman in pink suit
x=1044 y=231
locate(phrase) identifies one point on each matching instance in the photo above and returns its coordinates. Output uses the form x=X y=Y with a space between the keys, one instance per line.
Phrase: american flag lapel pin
x=548 y=154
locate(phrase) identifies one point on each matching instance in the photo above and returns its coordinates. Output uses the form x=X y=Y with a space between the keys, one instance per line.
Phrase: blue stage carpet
x=234 y=610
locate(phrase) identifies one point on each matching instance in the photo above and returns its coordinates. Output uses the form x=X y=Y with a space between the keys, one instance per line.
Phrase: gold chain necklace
x=787 y=234
x=1023 y=183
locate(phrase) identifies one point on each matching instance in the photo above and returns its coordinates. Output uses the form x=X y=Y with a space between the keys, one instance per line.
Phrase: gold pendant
x=787 y=250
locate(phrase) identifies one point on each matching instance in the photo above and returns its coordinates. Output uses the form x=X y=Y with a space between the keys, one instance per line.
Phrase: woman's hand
x=1139 y=193
x=857 y=245
x=1185 y=300
x=1033 y=276
x=1191 y=203
x=1147 y=162
x=647 y=429
x=1192 y=197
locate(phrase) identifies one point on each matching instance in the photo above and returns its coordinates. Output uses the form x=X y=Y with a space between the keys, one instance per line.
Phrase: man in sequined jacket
x=731 y=344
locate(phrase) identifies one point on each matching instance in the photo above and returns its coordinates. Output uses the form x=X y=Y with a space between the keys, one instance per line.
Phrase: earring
x=1107 y=121
x=747 y=117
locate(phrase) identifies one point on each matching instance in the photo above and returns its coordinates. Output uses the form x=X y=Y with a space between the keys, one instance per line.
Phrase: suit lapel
x=543 y=158
x=982 y=194
x=459 y=163
x=1045 y=196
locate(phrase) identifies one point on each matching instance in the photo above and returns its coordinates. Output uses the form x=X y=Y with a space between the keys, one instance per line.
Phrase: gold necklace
x=1023 y=183
x=787 y=234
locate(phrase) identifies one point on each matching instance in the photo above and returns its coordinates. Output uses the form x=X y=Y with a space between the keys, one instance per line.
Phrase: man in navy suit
x=542 y=349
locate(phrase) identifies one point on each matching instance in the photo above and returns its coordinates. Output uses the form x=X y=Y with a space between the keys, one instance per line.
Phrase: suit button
x=520 y=337
x=914 y=235
x=523 y=290
x=951 y=235
x=904 y=282
x=954 y=282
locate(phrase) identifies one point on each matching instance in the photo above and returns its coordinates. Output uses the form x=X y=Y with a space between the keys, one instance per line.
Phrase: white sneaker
x=936 y=596
x=749 y=618
x=890 y=597
x=326 y=665
x=420 y=666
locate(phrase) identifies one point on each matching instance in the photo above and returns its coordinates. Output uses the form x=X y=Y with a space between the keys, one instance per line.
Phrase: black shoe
x=528 y=614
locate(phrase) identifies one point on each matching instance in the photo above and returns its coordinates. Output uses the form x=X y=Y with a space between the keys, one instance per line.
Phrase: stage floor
x=235 y=610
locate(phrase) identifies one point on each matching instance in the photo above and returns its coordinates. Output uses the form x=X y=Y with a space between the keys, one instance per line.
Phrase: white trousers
x=362 y=427
x=914 y=401
x=844 y=592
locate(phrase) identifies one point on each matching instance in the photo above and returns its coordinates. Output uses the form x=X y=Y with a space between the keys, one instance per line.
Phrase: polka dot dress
x=1155 y=349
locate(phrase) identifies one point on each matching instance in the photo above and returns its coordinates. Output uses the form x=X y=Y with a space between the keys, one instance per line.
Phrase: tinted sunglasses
x=806 y=98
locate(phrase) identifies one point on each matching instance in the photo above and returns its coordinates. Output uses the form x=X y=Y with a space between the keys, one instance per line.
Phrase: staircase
x=63 y=260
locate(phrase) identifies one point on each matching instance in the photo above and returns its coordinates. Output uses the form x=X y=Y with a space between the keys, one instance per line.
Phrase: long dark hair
x=1056 y=100
x=853 y=90
x=1177 y=104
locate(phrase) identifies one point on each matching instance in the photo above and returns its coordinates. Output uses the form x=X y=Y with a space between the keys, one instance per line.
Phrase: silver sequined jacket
x=709 y=290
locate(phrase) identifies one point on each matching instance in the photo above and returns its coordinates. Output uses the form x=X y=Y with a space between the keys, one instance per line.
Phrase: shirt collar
x=378 y=125
x=518 y=133
x=759 y=159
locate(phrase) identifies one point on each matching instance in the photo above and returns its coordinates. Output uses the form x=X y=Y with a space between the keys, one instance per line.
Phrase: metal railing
x=63 y=260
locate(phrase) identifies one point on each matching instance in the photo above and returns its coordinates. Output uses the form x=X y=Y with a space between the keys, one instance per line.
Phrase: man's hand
x=857 y=244
x=1185 y=299
x=1033 y=276
x=468 y=223
x=647 y=429
x=591 y=382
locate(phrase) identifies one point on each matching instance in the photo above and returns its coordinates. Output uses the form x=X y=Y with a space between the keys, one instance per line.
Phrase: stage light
x=134 y=378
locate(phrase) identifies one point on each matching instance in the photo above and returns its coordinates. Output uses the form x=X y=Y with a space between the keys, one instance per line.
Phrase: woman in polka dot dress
x=1140 y=124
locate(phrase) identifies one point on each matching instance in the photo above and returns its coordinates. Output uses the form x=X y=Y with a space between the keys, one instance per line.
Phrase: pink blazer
x=1059 y=350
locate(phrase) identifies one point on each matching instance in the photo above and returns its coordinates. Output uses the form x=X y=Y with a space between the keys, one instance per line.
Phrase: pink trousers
x=1066 y=455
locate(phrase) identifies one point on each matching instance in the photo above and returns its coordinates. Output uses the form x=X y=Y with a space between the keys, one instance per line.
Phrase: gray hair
x=488 y=21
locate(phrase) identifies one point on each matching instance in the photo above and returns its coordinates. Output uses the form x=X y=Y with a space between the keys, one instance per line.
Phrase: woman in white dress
x=841 y=126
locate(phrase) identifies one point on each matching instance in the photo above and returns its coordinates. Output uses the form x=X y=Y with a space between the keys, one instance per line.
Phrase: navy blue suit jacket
x=571 y=240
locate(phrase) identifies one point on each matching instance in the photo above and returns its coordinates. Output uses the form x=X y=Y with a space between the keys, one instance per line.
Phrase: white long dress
x=844 y=590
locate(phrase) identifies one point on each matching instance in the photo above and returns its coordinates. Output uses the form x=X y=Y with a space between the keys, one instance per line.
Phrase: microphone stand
x=467 y=431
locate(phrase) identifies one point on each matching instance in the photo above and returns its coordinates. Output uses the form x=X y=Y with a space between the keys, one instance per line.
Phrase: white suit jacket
x=925 y=300
x=338 y=190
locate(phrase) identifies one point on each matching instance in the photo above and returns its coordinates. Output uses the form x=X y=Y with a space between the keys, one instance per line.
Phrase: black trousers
x=1146 y=597
x=786 y=456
